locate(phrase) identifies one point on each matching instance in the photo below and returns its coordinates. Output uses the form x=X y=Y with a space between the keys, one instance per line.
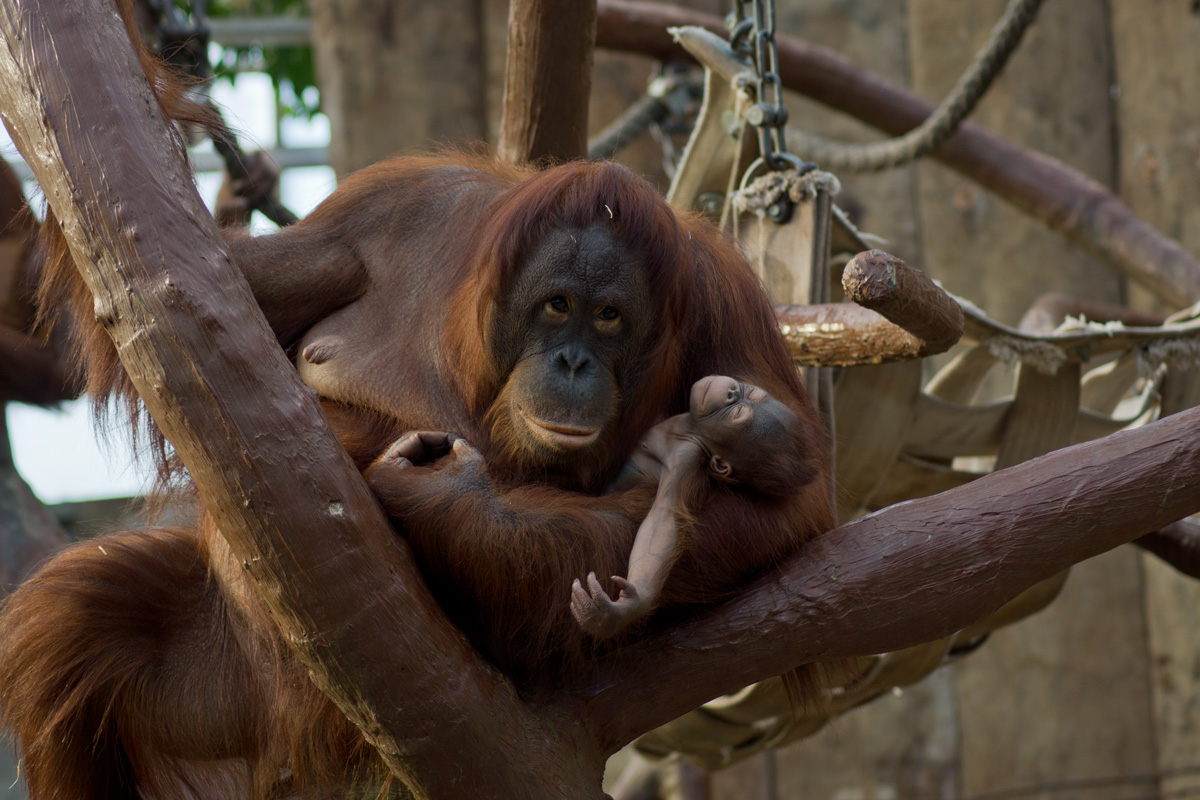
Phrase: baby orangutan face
x=741 y=426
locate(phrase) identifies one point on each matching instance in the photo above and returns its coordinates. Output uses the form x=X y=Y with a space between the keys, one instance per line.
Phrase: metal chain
x=753 y=35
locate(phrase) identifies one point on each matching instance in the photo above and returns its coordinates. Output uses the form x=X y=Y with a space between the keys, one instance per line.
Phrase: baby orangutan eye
x=608 y=314
x=558 y=304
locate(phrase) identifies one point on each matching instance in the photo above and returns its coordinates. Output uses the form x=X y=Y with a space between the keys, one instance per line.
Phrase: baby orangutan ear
x=720 y=468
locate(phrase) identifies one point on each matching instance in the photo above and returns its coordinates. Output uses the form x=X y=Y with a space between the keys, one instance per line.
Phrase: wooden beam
x=547 y=80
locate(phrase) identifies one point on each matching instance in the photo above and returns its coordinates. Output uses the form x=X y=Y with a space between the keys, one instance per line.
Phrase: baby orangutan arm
x=655 y=549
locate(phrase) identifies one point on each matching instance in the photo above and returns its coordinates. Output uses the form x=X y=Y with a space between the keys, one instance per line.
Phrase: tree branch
x=1068 y=202
x=298 y=516
x=908 y=574
x=1178 y=544
x=907 y=297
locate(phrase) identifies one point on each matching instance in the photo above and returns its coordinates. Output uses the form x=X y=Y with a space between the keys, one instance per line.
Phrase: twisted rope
x=943 y=122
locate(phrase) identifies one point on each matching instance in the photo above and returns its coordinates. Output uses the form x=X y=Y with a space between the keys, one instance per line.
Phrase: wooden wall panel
x=1064 y=695
x=397 y=75
x=1044 y=700
x=1158 y=119
x=901 y=745
x=1158 y=81
x=873 y=33
x=1053 y=97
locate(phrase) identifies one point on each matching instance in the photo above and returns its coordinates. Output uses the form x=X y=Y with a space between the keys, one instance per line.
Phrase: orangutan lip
x=555 y=433
x=566 y=430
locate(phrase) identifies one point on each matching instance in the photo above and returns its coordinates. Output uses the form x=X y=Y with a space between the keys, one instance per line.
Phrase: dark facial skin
x=575 y=320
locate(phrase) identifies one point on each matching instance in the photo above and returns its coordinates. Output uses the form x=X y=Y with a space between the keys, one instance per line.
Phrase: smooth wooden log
x=547 y=80
x=845 y=334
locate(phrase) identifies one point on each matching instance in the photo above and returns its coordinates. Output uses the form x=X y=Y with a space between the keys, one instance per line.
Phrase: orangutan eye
x=608 y=314
x=558 y=304
x=740 y=414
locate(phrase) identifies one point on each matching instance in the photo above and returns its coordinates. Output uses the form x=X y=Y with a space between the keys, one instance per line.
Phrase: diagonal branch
x=908 y=574
x=296 y=513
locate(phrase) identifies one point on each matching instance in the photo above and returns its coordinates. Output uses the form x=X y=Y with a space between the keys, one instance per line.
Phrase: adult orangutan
x=547 y=318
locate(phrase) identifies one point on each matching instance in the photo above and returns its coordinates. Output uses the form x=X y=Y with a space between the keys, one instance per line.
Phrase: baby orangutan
x=736 y=433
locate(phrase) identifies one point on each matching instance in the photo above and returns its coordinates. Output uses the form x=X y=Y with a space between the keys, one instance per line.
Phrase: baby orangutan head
x=752 y=439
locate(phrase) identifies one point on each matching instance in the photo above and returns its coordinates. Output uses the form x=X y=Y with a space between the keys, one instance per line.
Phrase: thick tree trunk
x=548 y=80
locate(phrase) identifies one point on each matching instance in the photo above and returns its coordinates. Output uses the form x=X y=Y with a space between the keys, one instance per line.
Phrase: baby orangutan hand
x=600 y=615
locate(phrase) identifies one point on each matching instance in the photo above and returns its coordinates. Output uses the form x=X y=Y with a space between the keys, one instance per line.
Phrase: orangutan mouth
x=561 y=436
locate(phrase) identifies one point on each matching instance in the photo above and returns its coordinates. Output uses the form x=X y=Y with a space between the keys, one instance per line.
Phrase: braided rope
x=944 y=120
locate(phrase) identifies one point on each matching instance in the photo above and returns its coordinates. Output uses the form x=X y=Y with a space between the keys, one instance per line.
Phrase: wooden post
x=547 y=80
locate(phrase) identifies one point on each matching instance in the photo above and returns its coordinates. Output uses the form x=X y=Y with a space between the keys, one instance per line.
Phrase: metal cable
x=944 y=120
